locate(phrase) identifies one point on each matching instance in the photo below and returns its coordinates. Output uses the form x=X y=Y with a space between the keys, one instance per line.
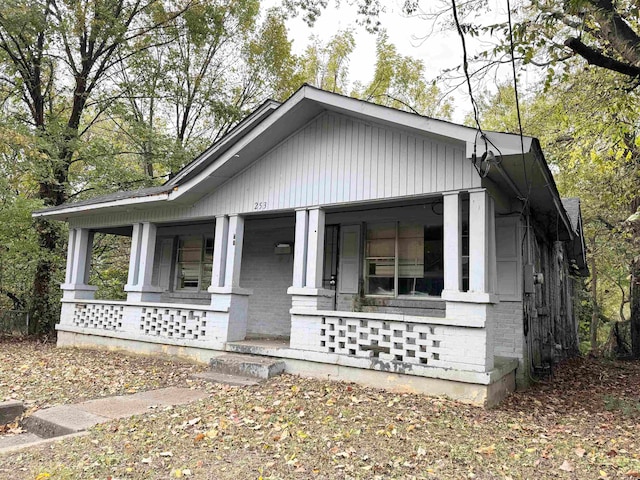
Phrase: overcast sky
x=418 y=37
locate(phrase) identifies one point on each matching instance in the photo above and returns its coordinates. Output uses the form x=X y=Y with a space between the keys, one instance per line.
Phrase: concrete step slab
x=124 y=406
x=10 y=441
x=10 y=410
x=247 y=365
x=61 y=420
x=226 y=379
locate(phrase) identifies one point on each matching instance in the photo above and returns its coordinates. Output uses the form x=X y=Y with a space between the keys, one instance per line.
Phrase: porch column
x=315 y=248
x=235 y=239
x=308 y=262
x=452 y=243
x=229 y=299
x=220 y=251
x=479 y=241
x=143 y=246
x=473 y=308
x=76 y=285
x=300 y=249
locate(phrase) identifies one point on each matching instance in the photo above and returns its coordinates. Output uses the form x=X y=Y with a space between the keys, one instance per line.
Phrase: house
x=354 y=241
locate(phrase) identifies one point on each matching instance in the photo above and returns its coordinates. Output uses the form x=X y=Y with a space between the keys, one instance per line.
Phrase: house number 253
x=259 y=205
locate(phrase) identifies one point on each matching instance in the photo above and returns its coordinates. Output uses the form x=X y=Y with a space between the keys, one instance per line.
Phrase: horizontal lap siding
x=333 y=159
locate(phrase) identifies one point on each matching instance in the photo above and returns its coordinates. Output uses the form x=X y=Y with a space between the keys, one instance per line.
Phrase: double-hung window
x=194 y=262
x=404 y=259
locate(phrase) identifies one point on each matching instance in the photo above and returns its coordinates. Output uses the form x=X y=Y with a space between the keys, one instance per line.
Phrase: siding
x=333 y=159
x=337 y=159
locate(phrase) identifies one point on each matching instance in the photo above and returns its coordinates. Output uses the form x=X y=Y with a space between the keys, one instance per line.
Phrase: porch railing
x=173 y=322
x=389 y=337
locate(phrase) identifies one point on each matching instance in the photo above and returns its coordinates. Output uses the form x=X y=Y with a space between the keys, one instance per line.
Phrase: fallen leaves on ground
x=41 y=375
x=296 y=428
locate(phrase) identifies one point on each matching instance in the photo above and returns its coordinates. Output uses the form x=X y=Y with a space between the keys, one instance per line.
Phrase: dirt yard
x=582 y=424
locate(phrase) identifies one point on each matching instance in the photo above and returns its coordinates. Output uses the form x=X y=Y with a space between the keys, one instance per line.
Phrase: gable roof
x=521 y=170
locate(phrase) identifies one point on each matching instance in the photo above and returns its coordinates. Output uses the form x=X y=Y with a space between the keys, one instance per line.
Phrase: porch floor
x=270 y=343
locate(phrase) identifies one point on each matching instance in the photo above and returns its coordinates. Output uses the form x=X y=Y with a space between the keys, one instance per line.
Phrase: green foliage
x=327 y=66
x=110 y=266
x=587 y=123
x=399 y=82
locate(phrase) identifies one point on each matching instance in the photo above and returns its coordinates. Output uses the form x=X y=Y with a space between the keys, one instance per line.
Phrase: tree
x=593 y=148
x=54 y=57
x=327 y=66
x=399 y=82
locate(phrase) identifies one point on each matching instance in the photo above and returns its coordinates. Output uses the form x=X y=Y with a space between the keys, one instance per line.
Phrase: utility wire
x=465 y=65
x=515 y=89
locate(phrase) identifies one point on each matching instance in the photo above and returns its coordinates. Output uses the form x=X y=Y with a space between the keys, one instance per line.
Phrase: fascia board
x=243 y=142
x=125 y=202
x=553 y=190
x=507 y=143
x=247 y=124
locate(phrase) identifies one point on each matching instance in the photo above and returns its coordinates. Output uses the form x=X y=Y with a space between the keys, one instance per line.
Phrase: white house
x=352 y=240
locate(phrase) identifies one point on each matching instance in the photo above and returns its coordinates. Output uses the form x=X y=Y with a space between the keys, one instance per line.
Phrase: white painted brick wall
x=508 y=335
x=268 y=275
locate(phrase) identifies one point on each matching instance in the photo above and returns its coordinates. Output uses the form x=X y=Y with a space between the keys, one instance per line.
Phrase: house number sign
x=259 y=205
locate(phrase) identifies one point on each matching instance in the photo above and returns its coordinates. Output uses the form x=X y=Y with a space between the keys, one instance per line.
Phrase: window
x=404 y=259
x=194 y=263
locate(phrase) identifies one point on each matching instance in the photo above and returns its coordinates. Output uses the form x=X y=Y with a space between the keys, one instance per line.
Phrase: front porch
x=353 y=292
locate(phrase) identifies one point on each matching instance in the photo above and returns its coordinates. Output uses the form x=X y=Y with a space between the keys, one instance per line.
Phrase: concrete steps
x=241 y=370
x=247 y=366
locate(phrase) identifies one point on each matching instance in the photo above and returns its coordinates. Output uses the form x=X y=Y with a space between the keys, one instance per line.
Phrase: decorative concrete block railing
x=388 y=337
x=169 y=323
x=98 y=316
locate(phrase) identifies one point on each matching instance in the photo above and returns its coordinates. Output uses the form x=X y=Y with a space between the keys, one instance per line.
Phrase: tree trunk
x=634 y=298
x=595 y=312
x=634 y=287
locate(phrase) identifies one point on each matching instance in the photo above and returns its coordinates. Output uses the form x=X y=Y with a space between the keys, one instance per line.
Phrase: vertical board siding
x=336 y=159
x=332 y=159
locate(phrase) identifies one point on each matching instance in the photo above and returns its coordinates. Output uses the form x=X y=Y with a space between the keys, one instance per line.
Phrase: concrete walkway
x=53 y=423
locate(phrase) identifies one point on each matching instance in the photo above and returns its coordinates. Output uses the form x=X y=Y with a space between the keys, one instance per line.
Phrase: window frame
x=203 y=283
x=396 y=277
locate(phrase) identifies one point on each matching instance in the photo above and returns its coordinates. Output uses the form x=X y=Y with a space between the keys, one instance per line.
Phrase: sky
x=439 y=48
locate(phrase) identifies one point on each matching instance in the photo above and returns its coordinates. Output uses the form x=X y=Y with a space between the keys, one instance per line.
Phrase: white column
x=78 y=265
x=220 y=251
x=493 y=261
x=82 y=257
x=70 y=252
x=147 y=254
x=308 y=262
x=300 y=249
x=234 y=251
x=452 y=219
x=479 y=241
x=315 y=248
x=134 y=255
x=143 y=248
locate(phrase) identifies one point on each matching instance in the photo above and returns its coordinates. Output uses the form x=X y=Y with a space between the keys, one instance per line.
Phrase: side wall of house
x=550 y=308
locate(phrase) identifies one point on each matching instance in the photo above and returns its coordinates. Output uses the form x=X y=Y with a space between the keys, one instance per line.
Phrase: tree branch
x=594 y=57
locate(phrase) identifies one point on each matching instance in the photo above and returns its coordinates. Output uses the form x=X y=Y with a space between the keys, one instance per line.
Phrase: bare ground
x=584 y=424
